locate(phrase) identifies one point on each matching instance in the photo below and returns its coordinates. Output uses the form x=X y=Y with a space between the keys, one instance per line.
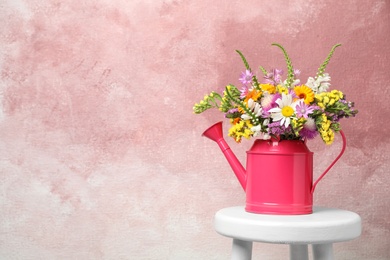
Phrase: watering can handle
x=335 y=160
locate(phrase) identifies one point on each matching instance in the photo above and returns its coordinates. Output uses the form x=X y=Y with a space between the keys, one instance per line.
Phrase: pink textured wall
x=101 y=156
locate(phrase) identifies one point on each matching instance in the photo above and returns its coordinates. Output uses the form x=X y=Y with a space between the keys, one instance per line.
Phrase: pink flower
x=274 y=77
x=243 y=92
x=303 y=110
x=246 y=77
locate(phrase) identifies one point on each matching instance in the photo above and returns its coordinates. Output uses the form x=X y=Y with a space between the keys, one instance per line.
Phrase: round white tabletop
x=321 y=229
x=324 y=225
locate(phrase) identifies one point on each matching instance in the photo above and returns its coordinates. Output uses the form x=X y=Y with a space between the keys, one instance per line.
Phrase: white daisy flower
x=285 y=111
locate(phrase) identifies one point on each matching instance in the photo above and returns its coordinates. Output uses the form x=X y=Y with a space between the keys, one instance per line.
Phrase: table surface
x=324 y=225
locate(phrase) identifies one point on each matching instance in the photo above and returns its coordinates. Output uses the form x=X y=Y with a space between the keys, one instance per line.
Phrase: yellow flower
x=297 y=125
x=322 y=99
x=305 y=93
x=247 y=133
x=327 y=136
x=268 y=87
x=325 y=131
x=323 y=118
x=327 y=99
x=241 y=129
x=337 y=93
x=282 y=90
x=325 y=125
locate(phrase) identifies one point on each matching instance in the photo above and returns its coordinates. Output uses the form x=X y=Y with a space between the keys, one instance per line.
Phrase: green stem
x=248 y=68
x=265 y=72
x=322 y=68
x=290 y=69
x=244 y=60
x=243 y=106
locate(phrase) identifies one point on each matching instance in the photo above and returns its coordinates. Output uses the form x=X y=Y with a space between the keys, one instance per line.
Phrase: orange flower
x=253 y=94
x=305 y=93
x=235 y=120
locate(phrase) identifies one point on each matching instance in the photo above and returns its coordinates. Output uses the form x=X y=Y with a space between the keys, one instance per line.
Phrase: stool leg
x=242 y=250
x=299 y=252
x=323 y=251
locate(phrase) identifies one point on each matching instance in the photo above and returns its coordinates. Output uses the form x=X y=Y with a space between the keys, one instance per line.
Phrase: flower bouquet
x=284 y=109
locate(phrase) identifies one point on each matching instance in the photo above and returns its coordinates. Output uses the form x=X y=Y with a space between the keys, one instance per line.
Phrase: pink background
x=100 y=153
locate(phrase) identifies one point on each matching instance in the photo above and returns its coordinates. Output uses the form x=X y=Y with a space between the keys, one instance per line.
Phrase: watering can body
x=278 y=178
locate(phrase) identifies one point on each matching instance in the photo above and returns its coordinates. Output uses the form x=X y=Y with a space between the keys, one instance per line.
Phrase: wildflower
x=268 y=101
x=337 y=94
x=257 y=130
x=319 y=84
x=285 y=111
x=281 y=107
x=208 y=102
x=255 y=111
x=297 y=125
x=295 y=82
x=325 y=123
x=327 y=136
x=271 y=89
x=309 y=129
x=325 y=130
x=327 y=99
x=243 y=92
x=303 y=110
x=246 y=77
x=255 y=108
x=241 y=129
x=277 y=129
x=305 y=93
x=274 y=77
x=252 y=94
x=282 y=89
x=236 y=120
x=232 y=113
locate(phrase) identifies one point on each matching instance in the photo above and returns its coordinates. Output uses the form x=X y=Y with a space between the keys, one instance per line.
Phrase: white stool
x=322 y=228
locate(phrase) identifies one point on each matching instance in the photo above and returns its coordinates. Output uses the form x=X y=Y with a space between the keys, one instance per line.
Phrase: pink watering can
x=279 y=174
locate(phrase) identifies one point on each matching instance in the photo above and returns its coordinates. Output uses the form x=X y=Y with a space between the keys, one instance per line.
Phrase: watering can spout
x=214 y=133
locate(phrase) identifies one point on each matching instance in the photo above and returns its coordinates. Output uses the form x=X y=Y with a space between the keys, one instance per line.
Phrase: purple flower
x=308 y=133
x=309 y=129
x=244 y=91
x=274 y=77
x=231 y=113
x=246 y=77
x=303 y=110
x=336 y=118
x=297 y=72
x=277 y=129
